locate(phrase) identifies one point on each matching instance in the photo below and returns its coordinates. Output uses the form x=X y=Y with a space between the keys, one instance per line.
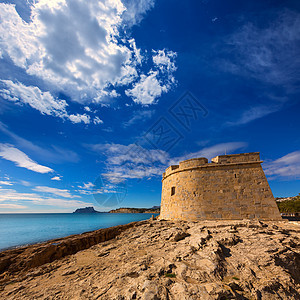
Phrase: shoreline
x=26 y=257
x=60 y=238
x=39 y=228
x=284 y=218
x=159 y=259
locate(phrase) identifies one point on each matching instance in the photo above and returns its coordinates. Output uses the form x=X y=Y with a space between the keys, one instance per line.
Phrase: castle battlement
x=237 y=158
x=229 y=187
x=202 y=162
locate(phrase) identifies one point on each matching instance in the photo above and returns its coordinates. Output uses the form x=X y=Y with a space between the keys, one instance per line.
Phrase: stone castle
x=231 y=187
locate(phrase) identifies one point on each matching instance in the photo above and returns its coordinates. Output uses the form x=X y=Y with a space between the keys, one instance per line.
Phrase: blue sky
x=97 y=98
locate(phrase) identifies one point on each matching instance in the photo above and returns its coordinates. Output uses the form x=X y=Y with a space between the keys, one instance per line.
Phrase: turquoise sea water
x=23 y=229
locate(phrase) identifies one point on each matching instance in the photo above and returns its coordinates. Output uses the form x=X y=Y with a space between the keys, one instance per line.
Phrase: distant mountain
x=85 y=210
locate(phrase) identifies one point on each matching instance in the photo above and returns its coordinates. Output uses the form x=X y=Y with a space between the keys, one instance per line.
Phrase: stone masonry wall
x=230 y=187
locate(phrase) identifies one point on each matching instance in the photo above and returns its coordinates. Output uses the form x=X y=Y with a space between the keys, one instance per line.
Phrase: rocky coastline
x=128 y=210
x=159 y=259
x=121 y=210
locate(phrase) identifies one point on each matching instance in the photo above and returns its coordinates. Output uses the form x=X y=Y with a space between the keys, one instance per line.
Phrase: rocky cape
x=86 y=210
x=159 y=259
x=128 y=210
x=124 y=210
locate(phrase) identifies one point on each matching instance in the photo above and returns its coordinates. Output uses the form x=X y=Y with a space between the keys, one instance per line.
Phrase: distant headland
x=124 y=210
x=128 y=210
x=86 y=210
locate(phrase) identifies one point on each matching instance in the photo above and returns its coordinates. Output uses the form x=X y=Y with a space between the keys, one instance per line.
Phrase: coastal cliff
x=160 y=260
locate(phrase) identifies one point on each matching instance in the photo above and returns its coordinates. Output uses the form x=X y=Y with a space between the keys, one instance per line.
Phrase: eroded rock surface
x=173 y=260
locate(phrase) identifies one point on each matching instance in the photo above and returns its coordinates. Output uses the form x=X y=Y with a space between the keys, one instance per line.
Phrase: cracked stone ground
x=174 y=260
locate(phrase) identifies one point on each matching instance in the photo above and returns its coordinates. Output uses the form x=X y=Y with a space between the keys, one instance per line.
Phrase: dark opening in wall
x=235 y=175
x=172 y=190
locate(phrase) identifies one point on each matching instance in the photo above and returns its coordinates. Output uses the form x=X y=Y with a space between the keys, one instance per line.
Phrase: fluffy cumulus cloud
x=147 y=89
x=78 y=118
x=165 y=61
x=135 y=10
x=286 y=167
x=15 y=155
x=158 y=81
x=80 y=47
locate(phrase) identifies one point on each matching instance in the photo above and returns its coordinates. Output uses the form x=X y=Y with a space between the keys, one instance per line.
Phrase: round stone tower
x=230 y=187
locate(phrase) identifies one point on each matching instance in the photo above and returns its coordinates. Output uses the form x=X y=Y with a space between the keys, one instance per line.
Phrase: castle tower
x=231 y=187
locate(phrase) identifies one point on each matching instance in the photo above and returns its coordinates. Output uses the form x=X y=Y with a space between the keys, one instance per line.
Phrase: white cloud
x=44 y=102
x=33 y=96
x=97 y=120
x=131 y=161
x=139 y=116
x=56 y=178
x=7 y=196
x=25 y=183
x=53 y=153
x=148 y=89
x=267 y=53
x=79 y=47
x=69 y=44
x=3 y=182
x=13 y=206
x=119 y=154
x=87 y=186
x=135 y=10
x=254 y=113
x=55 y=191
x=165 y=60
x=87 y=189
x=78 y=118
x=137 y=52
x=13 y=195
x=13 y=154
x=210 y=152
x=286 y=167
x=158 y=81
x=136 y=162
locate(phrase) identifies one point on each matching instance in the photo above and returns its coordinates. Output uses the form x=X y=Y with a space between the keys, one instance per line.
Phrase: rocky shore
x=129 y=210
x=160 y=260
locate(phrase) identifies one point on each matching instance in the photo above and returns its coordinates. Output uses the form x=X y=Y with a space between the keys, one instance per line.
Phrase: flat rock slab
x=171 y=260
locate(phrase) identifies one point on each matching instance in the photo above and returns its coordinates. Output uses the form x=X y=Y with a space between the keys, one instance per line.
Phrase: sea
x=25 y=229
